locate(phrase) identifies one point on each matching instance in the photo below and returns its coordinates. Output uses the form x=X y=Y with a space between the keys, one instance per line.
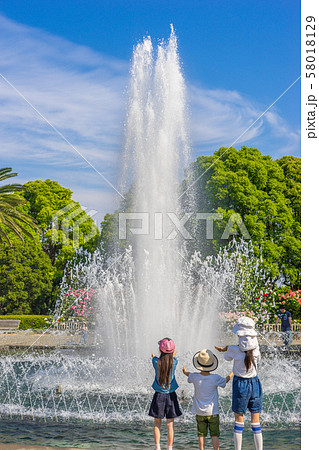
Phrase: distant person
x=205 y=402
x=247 y=390
x=286 y=328
x=165 y=403
x=84 y=334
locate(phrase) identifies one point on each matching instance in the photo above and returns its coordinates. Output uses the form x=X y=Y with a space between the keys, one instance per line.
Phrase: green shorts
x=203 y=422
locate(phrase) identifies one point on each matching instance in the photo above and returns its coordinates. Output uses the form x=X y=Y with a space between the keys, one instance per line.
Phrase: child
x=205 y=402
x=247 y=390
x=84 y=334
x=165 y=403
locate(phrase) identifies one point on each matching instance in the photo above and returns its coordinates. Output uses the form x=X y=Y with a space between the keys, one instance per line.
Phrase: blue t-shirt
x=284 y=317
x=173 y=383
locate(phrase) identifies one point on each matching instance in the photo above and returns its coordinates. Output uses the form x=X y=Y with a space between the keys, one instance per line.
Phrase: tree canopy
x=12 y=219
x=64 y=225
x=26 y=275
x=31 y=270
x=266 y=195
x=42 y=228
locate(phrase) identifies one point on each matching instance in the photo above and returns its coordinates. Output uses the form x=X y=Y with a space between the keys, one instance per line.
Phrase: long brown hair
x=165 y=365
x=249 y=359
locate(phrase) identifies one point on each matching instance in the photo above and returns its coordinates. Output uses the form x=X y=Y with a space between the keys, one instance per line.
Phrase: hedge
x=27 y=321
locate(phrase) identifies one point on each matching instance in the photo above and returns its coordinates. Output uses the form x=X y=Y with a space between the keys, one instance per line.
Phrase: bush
x=28 y=321
x=291 y=300
x=270 y=300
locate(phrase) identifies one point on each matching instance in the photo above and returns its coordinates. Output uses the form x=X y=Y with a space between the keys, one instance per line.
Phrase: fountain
x=156 y=152
x=149 y=289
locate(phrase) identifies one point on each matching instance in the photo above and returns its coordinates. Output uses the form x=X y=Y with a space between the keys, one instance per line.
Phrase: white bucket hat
x=245 y=326
x=247 y=343
x=205 y=360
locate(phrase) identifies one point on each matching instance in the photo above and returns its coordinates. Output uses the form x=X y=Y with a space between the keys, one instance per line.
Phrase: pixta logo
x=68 y=220
x=144 y=219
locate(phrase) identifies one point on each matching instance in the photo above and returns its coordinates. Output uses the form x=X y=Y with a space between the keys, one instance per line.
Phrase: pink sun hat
x=166 y=345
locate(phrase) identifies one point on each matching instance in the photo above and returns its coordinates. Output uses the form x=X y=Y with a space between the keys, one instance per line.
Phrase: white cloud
x=77 y=90
x=81 y=93
x=223 y=118
x=281 y=130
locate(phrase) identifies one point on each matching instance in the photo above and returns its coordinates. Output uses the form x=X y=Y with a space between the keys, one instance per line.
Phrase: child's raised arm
x=221 y=349
x=229 y=377
x=185 y=371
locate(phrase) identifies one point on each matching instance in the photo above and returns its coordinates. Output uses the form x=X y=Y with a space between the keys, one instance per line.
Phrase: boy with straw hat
x=205 y=402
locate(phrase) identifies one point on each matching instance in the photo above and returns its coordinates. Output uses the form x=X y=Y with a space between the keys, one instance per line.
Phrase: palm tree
x=11 y=219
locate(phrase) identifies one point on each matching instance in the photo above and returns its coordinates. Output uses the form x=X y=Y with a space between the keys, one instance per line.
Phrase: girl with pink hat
x=165 y=403
x=247 y=390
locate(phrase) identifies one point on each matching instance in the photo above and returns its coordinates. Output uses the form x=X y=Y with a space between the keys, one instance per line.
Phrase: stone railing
x=69 y=326
x=268 y=327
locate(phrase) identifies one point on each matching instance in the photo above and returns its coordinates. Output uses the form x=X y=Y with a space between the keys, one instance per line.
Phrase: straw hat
x=205 y=360
x=245 y=326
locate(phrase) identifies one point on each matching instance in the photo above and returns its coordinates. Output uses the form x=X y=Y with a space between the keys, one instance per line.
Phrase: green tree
x=48 y=200
x=109 y=242
x=266 y=195
x=12 y=219
x=109 y=231
x=26 y=275
x=291 y=167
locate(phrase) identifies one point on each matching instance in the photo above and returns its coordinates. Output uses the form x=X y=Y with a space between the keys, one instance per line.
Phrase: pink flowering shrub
x=291 y=300
x=265 y=307
x=79 y=303
x=270 y=300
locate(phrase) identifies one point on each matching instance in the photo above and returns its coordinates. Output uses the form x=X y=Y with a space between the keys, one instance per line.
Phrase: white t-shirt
x=239 y=368
x=205 y=402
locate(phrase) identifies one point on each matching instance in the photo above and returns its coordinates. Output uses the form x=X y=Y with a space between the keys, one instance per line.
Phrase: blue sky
x=70 y=60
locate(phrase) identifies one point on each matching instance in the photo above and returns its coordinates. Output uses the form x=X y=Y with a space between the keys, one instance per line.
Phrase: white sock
x=157 y=446
x=238 y=434
x=258 y=437
x=170 y=447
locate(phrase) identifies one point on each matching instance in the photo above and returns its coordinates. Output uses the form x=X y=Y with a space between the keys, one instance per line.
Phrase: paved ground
x=269 y=339
x=26 y=339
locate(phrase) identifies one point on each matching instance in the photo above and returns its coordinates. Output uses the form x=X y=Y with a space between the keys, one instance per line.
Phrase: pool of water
x=93 y=390
x=100 y=407
x=138 y=436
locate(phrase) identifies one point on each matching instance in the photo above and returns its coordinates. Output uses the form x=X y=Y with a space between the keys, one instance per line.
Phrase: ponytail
x=165 y=365
x=249 y=359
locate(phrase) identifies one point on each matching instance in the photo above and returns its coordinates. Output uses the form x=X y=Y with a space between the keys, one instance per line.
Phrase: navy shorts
x=165 y=405
x=247 y=393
